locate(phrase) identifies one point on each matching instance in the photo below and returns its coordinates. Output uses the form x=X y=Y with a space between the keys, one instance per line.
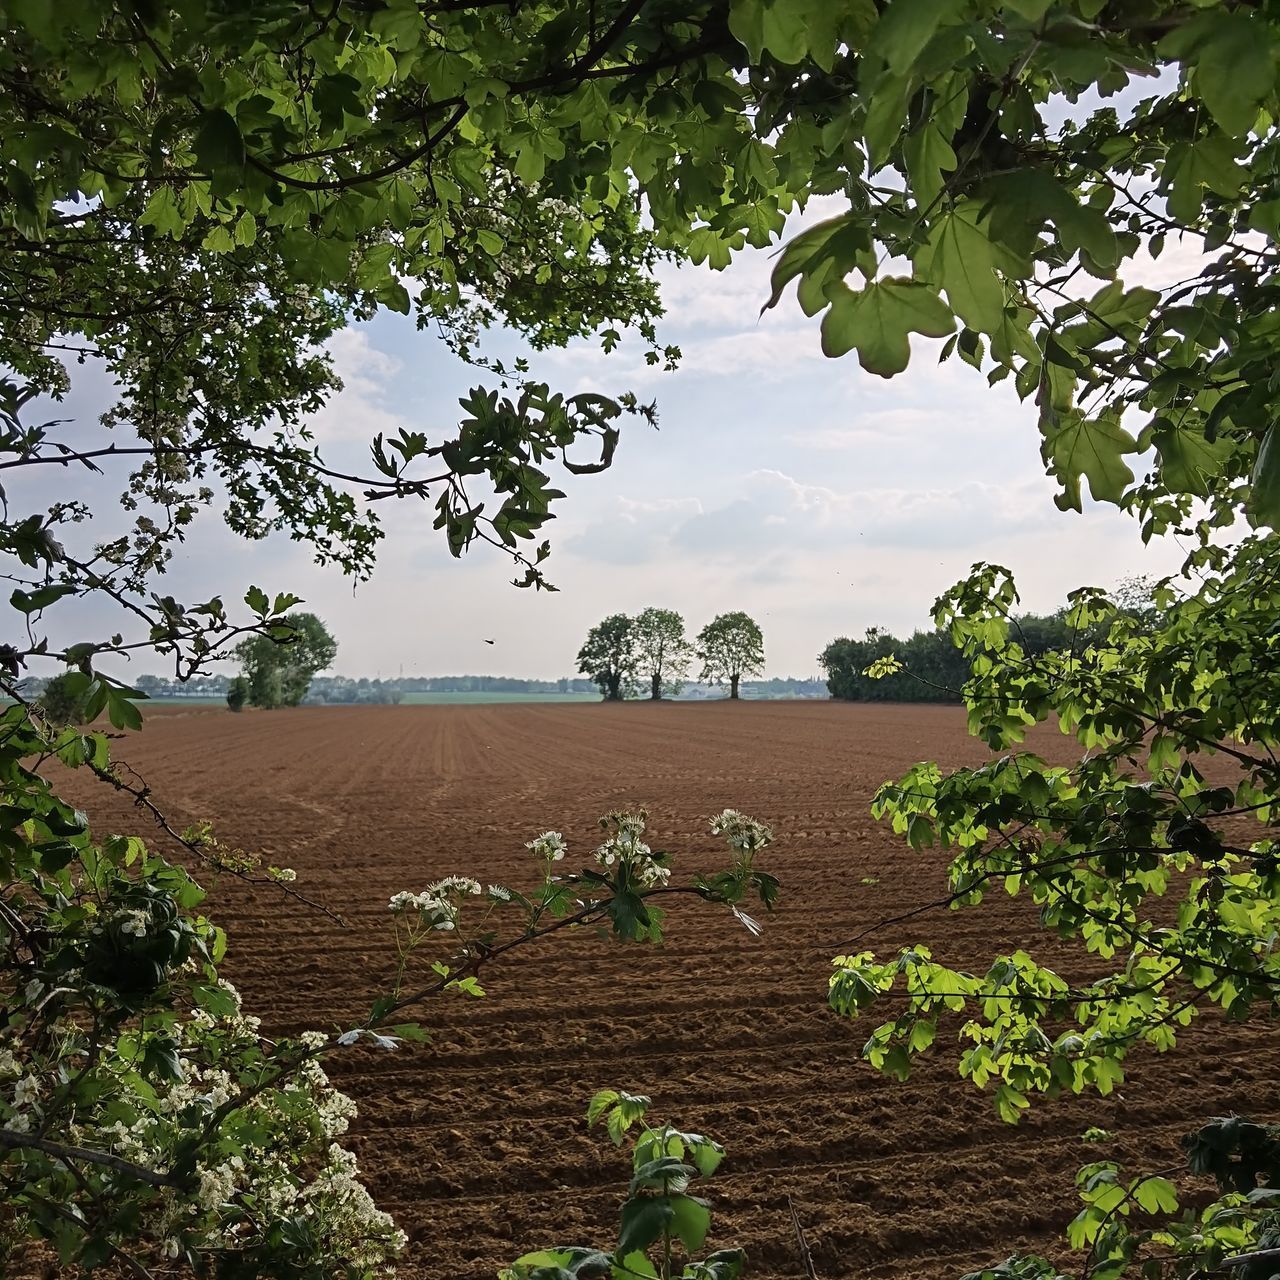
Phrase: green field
x=161 y=700
x=416 y=699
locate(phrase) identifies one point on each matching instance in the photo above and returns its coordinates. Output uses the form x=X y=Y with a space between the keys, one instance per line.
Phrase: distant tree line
x=491 y=684
x=933 y=669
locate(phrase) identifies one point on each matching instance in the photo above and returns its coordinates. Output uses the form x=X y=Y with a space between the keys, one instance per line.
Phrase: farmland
x=476 y=1142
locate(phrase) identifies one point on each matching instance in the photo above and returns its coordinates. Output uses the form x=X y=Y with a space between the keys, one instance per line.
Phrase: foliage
x=1018 y=230
x=1137 y=1225
x=237 y=693
x=660 y=1220
x=279 y=666
x=62 y=699
x=144 y=1118
x=608 y=656
x=928 y=667
x=1099 y=845
x=662 y=652
x=729 y=647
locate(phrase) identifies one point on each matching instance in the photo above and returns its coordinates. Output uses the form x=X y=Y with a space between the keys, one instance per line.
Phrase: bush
x=238 y=693
x=62 y=701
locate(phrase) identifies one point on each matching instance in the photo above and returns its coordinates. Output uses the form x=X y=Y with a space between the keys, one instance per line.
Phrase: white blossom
x=455 y=884
x=549 y=846
x=26 y=1091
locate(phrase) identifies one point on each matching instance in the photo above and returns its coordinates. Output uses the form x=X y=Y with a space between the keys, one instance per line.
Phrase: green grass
x=418 y=699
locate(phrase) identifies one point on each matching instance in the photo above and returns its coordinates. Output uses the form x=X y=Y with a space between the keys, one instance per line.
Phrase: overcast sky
x=818 y=498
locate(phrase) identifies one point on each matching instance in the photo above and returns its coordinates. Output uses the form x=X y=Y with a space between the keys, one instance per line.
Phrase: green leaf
x=962 y=259
x=644 y=1220
x=1194 y=167
x=664 y=1173
x=928 y=155
x=257 y=600
x=690 y=1220
x=905 y=27
x=1264 y=492
x=1010 y=1103
x=401 y=25
x=1188 y=462
x=122 y=713
x=705 y=1153
x=600 y=1103
x=825 y=253
x=782 y=27
x=40 y=598
x=707 y=245
x=219 y=147
x=1093 y=448
x=1157 y=1195
x=877 y=319
x=1235 y=69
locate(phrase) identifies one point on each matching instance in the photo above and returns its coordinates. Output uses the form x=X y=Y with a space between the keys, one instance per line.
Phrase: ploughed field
x=477 y=1142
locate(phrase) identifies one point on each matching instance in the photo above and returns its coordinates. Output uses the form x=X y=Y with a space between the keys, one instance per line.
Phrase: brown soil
x=477 y=1143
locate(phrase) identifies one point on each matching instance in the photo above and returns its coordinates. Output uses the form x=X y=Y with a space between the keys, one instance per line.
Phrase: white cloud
x=360 y=410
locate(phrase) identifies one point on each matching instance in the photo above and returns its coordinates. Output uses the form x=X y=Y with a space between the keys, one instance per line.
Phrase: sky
x=818 y=498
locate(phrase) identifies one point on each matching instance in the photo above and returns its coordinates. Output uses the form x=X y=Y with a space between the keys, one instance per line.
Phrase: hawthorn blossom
x=549 y=846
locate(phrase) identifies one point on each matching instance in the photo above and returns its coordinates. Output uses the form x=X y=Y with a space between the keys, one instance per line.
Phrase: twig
x=806 y=1258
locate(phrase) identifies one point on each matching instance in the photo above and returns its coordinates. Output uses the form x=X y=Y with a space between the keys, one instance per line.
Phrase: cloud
x=633 y=532
x=768 y=521
x=361 y=409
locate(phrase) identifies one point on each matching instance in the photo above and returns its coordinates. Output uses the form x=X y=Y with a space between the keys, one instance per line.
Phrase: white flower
x=26 y=1091
x=549 y=846
x=313 y=1039
x=742 y=833
x=406 y=901
x=216 y=1185
x=499 y=893
x=133 y=922
x=455 y=884
x=284 y=874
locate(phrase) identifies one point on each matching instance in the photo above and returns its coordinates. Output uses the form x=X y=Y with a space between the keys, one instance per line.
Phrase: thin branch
x=14 y=1141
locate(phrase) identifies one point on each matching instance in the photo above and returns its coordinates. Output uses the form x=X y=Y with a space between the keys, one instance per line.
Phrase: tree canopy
x=933 y=669
x=279 y=667
x=729 y=647
x=608 y=656
x=663 y=654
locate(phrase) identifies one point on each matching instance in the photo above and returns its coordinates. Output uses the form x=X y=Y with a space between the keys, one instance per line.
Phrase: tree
x=608 y=656
x=279 y=667
x=662 y=654
x=62 y=699
x=237 y=693
x=729 y=647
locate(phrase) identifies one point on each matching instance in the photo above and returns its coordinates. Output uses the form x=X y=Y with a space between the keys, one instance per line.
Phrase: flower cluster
x=549 y=846
x=744 y=835
x=235 y=1133
x=437 y=906
x=625 y=849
